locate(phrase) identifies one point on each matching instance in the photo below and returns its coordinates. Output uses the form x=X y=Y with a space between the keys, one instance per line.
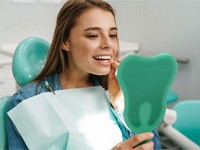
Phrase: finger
x=115 y=63
x=119 y=60
x=137 y=139
x=146 y=146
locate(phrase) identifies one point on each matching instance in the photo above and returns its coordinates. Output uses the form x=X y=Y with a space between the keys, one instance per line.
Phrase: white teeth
x=103 y=57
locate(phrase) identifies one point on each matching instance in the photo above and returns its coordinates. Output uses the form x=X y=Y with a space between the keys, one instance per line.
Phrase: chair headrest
x=29 y=59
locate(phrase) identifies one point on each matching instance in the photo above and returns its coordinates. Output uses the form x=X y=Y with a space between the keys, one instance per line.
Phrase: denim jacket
x=15 y=141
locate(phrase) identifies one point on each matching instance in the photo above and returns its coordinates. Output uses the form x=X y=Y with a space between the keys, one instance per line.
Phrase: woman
x=83 y=54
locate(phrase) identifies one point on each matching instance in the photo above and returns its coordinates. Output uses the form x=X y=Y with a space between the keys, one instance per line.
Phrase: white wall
x=1 y=5
x=166 y=26
x=158 y=25
x=23 y=20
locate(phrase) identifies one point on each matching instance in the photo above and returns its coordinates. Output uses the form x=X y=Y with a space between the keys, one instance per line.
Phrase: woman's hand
x=116 y=95
x=131 y=144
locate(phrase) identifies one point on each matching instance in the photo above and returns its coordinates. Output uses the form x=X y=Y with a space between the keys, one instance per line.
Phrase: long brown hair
x=57 y=58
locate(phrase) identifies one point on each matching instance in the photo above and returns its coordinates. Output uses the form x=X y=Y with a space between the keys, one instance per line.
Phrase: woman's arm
x=15 y=141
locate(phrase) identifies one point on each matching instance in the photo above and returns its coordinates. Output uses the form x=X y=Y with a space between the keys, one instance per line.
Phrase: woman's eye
x=113 y=36
x=92 y=36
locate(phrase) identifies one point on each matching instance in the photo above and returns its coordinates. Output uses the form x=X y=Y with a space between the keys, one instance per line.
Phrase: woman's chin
x=101 y=73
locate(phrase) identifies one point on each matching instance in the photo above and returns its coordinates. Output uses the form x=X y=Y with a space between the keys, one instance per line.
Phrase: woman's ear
x=65 y=46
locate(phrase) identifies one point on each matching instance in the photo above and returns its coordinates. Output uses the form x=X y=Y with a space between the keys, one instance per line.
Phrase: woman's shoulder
x=28 y=91
x=35 y=88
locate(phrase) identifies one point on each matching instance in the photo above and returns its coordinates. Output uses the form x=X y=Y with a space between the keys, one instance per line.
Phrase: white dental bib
x=73 y=119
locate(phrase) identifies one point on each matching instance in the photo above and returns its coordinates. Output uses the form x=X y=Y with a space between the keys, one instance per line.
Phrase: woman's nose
x=105 y=46
x=106 y=43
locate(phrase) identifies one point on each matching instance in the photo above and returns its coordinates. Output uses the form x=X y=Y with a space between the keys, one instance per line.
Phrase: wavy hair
x=66 y=19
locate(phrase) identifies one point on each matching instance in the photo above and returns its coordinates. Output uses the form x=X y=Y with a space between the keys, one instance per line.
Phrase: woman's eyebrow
x=92 y=28
x=97 y=28
x=114 y=28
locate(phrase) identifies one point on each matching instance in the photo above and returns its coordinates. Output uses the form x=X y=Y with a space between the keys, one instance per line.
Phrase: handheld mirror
x=145 y=82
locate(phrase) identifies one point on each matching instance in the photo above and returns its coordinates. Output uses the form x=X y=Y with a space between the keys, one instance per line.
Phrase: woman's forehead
x=96 y=18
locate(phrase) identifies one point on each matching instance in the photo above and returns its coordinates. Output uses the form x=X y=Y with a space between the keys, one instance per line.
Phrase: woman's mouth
x=103 y=59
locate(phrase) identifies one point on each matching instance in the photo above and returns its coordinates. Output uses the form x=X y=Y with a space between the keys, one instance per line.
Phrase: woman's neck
x=74 y=79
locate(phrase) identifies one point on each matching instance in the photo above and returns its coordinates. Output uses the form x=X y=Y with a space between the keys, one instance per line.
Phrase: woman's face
x=93 y=42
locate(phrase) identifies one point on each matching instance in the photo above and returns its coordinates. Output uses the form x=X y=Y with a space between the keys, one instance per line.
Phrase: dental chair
x=28 y=60
x=181 y=124
x=4 y=102
x=188 y=122
x=171 y=97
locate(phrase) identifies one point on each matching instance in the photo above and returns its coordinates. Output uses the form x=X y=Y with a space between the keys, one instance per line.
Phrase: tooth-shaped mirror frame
x=146 y=80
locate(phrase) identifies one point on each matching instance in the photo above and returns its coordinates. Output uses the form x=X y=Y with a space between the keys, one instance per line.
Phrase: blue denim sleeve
x=156 y=140
x=15 y=141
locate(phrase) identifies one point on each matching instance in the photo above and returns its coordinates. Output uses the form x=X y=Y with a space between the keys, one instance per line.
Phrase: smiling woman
x=97 y=44
x=80 y=66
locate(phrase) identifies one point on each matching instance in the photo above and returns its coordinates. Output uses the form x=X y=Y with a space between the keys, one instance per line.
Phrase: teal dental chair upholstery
x=188 y=120
x=4 y=101
x=28 y=60
x=171 y=97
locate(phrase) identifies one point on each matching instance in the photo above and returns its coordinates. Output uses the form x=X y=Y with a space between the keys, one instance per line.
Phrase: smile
x=102 y=57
